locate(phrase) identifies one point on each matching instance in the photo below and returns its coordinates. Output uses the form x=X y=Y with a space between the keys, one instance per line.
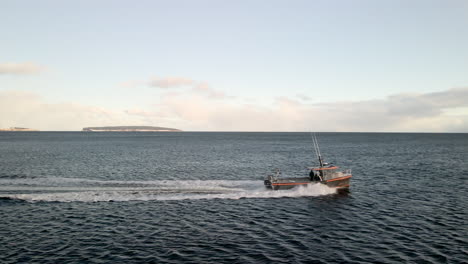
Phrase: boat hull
x=341 y=183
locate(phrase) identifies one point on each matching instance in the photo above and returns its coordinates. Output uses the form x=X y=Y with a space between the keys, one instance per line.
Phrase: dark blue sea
x=98 y=197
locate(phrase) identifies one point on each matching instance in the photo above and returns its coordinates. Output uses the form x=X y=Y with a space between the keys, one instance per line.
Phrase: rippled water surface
x=199 y=198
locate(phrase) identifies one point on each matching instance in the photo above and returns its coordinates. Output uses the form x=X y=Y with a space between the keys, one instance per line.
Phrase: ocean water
x=186 y=197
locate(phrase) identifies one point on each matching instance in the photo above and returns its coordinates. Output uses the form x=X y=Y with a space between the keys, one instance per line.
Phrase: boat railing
x=347 y=172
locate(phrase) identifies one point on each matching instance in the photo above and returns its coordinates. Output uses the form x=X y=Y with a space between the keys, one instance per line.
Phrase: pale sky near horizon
x=363 y=65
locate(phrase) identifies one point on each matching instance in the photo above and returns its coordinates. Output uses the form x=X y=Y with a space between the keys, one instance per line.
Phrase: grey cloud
x=450 y=98
x=403 y=112
x=426 y=105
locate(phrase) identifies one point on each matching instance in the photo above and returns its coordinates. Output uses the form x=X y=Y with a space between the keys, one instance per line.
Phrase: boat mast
x=317 y=150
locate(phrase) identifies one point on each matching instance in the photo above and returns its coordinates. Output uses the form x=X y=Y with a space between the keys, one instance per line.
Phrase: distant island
x=130 y=129
x=17 y=129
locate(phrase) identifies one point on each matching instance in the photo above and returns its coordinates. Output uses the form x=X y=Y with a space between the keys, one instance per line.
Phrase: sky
x=344 y=66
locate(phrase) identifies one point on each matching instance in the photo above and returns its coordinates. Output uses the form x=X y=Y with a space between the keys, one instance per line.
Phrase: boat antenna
x=317 y=149
x=313 y=143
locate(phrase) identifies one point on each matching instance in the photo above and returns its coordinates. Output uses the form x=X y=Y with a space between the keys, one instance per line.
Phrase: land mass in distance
x=130 y=129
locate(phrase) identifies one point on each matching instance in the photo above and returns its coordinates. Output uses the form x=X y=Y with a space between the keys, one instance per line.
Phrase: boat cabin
x=325 y=173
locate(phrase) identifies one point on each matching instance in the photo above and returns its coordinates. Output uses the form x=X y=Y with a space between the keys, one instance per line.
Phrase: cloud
x=205 y=89
x=173 y=83
x=20 y=68
x=404 y=112
x=131 y=84
x=303 y=97
x=26 y=109
x=170 y=82
x=445 y=111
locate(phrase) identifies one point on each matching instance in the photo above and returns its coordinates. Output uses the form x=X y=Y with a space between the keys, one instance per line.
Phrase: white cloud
x=20 y=68
x=131 y=84
x=171 y=82
x=205 y=89
x=25 y=109
x=175 y=83
x=193 y=110
x=412 y=113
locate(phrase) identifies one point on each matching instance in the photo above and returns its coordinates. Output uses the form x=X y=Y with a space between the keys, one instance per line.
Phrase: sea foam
x=84 y=190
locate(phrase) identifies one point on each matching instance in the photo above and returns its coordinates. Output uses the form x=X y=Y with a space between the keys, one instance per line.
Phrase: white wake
x=83 y=190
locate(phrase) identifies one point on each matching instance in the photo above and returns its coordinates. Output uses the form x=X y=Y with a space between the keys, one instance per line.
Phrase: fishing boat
x=326 y=173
